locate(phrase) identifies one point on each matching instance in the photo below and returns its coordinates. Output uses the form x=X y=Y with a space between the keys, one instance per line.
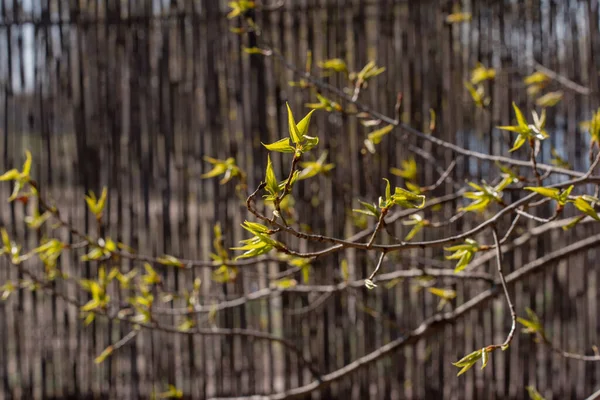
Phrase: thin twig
x=511 y=306
x=566 y=82
x=376 y=270
x=432 y=324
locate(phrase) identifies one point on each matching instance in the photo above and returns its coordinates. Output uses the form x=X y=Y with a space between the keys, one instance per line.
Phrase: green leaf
x=573 y=222
x=468 y=361
x=536 y=78
x=553 y=193
x=408 y=170
x=550 y=99
x=172 y=393
x=293 y=128
x=478 y=95
x=407 y=199
x=10 y=175
x=256 y=50
x=285 y=283
x=255 y=227
x=376 y=136
x=186 y=325
x=480 y=74
x=484 y=358
x=519 y=142
x=413 y=232
x=521 y=121
x=281 y=146
x=586 y=208
x=270 y=179
x=311 y=142
x=370 y=209
x=446 y=294
x=304 y=124
x=345 y=270
x=224 y=274
x=388 y=191
x=305 y=273
x=334 y=64
x=533 y=393
x=459 y=17
x=463 y=253
x=169 y=261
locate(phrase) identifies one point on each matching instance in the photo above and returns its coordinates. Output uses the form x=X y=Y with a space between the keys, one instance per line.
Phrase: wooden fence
x=132 y=94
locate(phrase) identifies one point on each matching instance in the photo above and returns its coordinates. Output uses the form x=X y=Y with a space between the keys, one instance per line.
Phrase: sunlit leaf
x=282 y=146
x=480 y=74
x=586 y=208
x=459 y=17
x=334 y=64
x=376 y=136
x=533 y=393
x=550 y=99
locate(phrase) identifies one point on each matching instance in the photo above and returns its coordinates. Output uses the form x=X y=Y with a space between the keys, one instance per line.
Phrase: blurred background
x=133 y=94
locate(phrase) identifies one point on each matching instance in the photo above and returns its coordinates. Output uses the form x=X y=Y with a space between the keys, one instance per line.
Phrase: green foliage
x=169 y=261
x=6 y=290
x=281 y=146
x=483 y=197
x=36 y=220
x=458 y=17
x=224 y=274
x=468 y=361
x=10 y=248
x=96 y=205
x=481 y=74
x=285 y=283
x=334 y=64
x=508 y=177
x=220 y=253
x=21 y=178
x=582 y=204
x=533 y=393
x=260 y=243
x=417 y=222
x=593 y=127
x=325 y=104
x=558 y=160
x=314 y=168
x=375 y=137
x=536 y=82
x=369 y=71
x=526 y=131
x=257 y=50
x=97 y=290
x=408 y=169
x=240 y=7
x=227 y=168
x=272 y=186
x=478 y=95
x=556 y=194
x=463 y=253
x=172 y=393
x=532 y=325
x=550 y=99
x=445 y=295
x=300 y=141
x=369 y=209
x=400 y=197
